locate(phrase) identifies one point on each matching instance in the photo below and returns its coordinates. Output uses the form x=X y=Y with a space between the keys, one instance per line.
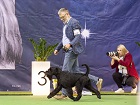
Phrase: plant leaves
x=138 y=43
x=41 y=50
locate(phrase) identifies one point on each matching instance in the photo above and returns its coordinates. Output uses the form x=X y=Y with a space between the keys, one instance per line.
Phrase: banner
x=108 y=23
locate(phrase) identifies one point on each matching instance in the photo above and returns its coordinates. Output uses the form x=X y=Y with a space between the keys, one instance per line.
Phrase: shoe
x=75 y=93
x=99 y=84
x=133 y=91
x=86 y=93
x=54 y=83
x=120 y=90
x=58 y=97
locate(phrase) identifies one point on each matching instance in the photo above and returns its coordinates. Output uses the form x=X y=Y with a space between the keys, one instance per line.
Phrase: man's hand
x=55 y=52
x=67 y=46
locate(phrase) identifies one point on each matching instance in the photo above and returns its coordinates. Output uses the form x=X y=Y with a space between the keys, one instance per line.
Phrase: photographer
x=126 y=73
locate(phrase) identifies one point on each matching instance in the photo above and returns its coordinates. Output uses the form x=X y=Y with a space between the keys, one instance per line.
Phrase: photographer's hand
x=115 y=58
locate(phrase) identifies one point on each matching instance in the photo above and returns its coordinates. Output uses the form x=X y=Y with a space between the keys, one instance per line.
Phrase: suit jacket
x=77 y=47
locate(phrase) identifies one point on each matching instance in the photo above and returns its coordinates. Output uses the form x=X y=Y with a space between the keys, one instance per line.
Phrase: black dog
x=68 y=80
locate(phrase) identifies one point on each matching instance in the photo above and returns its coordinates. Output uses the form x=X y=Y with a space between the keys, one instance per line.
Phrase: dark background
x=114 y=22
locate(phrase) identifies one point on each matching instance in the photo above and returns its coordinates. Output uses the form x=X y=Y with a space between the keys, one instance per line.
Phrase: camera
x=113 y=53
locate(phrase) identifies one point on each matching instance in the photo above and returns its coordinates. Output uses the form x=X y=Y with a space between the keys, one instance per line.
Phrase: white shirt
x=65 y=40
x=122 y=69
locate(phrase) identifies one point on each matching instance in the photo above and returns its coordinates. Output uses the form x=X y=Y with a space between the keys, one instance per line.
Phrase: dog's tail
x=88 y=69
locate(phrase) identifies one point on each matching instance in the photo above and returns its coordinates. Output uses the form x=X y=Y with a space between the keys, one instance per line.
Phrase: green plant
x=138 y=43
x=41 y=50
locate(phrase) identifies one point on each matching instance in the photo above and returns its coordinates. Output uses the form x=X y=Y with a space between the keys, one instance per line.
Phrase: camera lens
x=113 y=53
x=107 y=53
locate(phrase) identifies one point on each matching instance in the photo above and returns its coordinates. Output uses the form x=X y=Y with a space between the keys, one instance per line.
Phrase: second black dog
x=68 y=80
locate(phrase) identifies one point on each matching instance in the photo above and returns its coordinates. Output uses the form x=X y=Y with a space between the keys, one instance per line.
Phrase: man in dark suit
x=71 y=45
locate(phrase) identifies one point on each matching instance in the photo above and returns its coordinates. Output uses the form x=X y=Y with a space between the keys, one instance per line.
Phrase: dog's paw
x=75 y=99
x=99 y=96
x=49 y=97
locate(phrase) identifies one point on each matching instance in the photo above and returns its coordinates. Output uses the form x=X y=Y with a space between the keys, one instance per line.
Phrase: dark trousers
x=130 y=81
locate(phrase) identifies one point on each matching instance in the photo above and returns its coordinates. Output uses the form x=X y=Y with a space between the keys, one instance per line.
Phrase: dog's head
x=52 y=71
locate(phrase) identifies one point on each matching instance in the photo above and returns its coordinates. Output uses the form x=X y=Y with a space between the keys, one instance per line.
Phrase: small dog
x=68 y=80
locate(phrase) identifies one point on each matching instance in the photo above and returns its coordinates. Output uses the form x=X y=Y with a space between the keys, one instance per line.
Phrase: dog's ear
x=58 y=70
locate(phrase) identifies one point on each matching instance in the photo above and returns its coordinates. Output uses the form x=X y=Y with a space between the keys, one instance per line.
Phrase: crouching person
x=125 y=74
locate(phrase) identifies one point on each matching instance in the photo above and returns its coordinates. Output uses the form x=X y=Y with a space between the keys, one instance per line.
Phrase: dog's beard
x=50 y=77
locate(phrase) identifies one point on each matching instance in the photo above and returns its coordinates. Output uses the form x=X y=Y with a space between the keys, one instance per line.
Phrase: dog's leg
x=70 y=93
x=54 y=92
x=79 y=94
x=92 y=89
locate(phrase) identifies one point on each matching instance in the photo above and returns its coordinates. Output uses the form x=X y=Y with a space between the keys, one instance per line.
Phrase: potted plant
x=41 y=50
x=138 y=43
x=41 y=84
